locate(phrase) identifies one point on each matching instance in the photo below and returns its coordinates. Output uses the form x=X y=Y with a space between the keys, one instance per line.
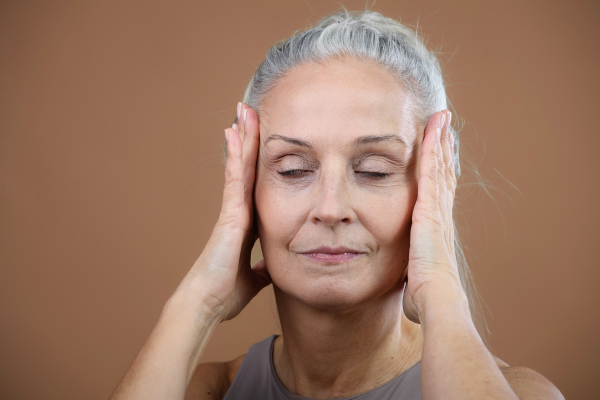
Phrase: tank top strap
x=254 y=380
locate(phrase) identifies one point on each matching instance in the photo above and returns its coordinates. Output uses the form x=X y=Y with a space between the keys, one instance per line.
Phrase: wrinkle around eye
x=383 y=163
x=289 y=162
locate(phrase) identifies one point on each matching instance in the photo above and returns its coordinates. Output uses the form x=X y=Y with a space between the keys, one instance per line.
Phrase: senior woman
x=343 y=162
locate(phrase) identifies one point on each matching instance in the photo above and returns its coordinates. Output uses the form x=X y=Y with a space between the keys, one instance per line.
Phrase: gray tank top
x=256 y=380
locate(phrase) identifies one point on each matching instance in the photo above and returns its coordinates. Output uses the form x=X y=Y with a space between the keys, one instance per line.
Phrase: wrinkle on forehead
x=346 y=93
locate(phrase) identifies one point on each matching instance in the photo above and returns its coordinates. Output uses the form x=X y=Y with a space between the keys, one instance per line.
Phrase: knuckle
x=432 y=172
x=231 y=179
x=431 y=217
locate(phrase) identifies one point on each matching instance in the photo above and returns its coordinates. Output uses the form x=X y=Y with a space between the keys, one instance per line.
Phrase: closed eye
x=366 y=174
x=293 y=172
x=374 y=175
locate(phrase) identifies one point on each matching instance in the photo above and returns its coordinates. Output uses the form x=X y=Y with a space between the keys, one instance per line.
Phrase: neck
x=326 y=354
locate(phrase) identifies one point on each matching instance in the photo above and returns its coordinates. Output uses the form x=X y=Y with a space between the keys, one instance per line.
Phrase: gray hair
x=371 y=36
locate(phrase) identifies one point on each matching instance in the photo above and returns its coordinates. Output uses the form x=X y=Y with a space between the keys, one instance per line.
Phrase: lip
x=332 y=255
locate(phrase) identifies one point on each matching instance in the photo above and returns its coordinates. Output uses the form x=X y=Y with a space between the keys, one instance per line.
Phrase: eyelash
x=295 y=173
x=374 y=175
x=291 y=172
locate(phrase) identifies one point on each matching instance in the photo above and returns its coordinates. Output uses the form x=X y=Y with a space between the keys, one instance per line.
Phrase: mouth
x=332 y=255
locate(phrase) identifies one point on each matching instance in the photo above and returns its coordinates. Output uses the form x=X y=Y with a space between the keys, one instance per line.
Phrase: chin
x=334 y=287
x=333 y=296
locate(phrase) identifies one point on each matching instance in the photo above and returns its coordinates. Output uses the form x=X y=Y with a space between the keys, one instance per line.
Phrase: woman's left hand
x=432 y=270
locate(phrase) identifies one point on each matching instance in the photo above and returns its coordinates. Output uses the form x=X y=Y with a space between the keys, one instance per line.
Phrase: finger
x=408 y=306
x=250 y=147
x=445 y=195
x=428 y=190
x=445 y=184
x=444 y=139
x=238 y=118
x=234 y=167
x=452 y=180
x=241 y=130
x=448 y=146
x=234 y=185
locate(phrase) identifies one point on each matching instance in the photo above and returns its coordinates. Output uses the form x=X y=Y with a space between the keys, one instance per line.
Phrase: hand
x=222 y=280
x=432 y=266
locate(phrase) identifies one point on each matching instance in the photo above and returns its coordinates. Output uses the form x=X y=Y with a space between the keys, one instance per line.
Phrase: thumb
x=262 y=277
x=408 y=305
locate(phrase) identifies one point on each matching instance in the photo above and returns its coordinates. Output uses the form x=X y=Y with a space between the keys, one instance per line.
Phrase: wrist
x=201 y=293
x=187 y=305
x=443 y=302
x=176 y=343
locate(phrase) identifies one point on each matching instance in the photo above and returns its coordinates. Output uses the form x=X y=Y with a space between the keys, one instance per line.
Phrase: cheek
x=389 y=218
x=279 y=213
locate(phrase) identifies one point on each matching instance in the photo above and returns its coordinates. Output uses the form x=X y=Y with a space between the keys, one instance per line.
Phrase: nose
x=332 y=202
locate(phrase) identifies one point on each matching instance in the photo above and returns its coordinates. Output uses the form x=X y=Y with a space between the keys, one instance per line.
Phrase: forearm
x=456 y=363
x=164 y=366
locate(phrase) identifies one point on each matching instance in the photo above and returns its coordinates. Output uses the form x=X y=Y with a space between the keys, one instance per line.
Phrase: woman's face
x=336 y=182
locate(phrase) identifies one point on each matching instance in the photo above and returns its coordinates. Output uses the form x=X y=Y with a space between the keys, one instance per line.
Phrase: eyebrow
x=359 y=141
x=289 y=140
x=377 y=139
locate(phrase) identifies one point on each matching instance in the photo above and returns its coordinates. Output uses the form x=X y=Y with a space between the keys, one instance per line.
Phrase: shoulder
x=212 y=380
x=527 y=383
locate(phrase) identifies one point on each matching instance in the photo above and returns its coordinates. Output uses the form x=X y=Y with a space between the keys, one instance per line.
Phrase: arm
x=455 y=360
x=217 y=287
x=455 y=363
x=163 y=367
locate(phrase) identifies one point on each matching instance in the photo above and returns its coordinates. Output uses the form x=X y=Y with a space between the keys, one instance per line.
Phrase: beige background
x=111 y=121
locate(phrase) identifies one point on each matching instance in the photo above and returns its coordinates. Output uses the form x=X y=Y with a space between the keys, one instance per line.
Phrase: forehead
x=358 y=97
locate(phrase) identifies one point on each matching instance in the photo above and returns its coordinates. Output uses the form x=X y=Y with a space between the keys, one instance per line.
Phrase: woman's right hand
x=222 y=282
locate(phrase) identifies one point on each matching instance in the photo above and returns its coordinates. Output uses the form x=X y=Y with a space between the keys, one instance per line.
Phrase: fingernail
x=449 y=118
x=438 y=134
x=239 y=107
x=442 y=120
x=226 y=135
x=245 y=109
x=234 y=126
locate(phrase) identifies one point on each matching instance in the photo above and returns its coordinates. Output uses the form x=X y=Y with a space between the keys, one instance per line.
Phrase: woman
x=344 y=163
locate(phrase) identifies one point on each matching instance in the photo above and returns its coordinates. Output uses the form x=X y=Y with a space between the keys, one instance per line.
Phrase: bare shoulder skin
x=527 y=383
x=212 y=380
